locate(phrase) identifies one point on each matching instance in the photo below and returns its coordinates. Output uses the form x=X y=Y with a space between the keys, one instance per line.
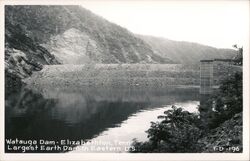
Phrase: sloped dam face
x=103 y=104
x=117 y=75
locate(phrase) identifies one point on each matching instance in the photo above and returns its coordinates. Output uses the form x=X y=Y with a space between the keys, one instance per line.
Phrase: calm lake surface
x=99 y=117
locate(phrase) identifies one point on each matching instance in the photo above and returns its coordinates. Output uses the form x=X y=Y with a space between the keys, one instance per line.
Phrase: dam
x=117 y=75
x=206 y=76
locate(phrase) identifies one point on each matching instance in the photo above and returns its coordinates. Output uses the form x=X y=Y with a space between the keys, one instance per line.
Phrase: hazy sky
x=215 y=23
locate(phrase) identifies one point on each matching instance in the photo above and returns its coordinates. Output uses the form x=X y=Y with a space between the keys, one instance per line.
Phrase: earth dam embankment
x=116 y=75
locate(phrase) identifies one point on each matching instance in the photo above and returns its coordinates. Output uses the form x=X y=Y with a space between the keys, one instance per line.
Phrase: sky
x=215 y=23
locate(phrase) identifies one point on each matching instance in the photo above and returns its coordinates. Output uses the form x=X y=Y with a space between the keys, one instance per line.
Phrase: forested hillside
x=186 y=52
x=75 y=35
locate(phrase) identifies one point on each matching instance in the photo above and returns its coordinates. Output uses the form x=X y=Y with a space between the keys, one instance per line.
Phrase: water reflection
x=80 y=113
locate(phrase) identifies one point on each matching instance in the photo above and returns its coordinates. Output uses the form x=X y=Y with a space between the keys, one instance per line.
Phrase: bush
x=178 y=132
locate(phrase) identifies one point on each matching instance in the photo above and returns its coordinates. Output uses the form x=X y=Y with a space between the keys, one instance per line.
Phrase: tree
x=228 y=101
x=238 y=59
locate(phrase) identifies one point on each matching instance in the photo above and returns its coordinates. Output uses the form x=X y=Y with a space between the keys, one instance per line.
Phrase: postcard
x=124 y=80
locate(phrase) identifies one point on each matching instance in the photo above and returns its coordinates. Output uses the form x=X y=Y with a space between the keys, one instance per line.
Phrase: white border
x=115 y=156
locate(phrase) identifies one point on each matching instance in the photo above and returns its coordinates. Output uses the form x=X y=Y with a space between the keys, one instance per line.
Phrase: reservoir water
x=81 y=118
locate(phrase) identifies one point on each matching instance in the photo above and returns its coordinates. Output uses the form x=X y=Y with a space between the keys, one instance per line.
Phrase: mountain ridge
x=117 y=44
x=185 y=52
x=100 y=41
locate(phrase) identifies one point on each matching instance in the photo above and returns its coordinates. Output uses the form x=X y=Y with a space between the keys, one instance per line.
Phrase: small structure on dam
x=213 y=71
x=206 y=76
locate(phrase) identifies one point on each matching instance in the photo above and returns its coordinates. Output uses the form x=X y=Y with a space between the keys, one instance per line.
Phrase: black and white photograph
x=126 y=77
